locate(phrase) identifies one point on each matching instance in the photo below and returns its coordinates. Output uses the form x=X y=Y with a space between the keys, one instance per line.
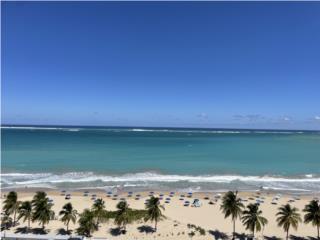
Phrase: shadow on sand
x=293 y=237
x=62 y=231
x=146 y=229
x=40 y=231
x=117 y=231
x=218 y=235
x=271 y=238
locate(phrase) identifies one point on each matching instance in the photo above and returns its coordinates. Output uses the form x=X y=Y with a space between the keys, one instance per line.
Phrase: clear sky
x=208 y=64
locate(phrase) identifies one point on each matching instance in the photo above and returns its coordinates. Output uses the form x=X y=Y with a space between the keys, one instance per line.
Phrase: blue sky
x=209 y=64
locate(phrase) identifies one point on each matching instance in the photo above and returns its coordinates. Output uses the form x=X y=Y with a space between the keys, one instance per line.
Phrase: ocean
x=138 y=158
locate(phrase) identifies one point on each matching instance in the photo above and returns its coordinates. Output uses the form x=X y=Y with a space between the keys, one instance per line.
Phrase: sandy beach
x=178 y=216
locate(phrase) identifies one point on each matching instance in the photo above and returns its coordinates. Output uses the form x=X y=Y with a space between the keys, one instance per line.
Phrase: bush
x=197 y=229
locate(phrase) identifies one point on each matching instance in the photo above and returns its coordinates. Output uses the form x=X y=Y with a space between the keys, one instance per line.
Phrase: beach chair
x=274 y=202
x=196 y=203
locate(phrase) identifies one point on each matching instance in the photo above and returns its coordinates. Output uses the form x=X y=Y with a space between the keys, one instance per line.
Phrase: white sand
x=207 y=216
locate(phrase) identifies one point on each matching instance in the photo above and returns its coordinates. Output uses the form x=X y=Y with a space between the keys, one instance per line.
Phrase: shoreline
x=306 y=184
x=121 y=191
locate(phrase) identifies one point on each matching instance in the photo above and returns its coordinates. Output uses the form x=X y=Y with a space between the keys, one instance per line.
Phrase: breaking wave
x=205 y=182
x=165 y=130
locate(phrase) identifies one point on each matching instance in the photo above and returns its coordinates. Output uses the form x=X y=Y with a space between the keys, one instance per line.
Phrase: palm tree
x=232 y=206
x=11 y=205
x=25 y=212
x=123 y=216
x=6 y=222
x=87 y=223
x=98 y=208
x=68 y=214
x=154 y=213
x=252 y=218
x=39 y=197
x=312 y=215
x=288 y=216
x=42 y=209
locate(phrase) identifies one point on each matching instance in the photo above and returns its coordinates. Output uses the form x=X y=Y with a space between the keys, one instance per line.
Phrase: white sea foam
x=287 y=189
x=146 y=130
x=26 y=178
x=41 y=128
x=154 y=180
x=169 y=130
x=210 y=131
x=31 y=128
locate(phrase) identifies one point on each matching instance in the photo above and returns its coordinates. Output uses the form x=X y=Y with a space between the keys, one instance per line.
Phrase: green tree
x=288 y=216
x=25 y=212
x=42 y=209
x=154 y=213
x=252 y=218
x=6 y=222
x=312 y=215
x=87 y=223
x=98 y=208
x=232 y=207
x=68 y=213
x=123 y=215
x=11 y=205
x=39 y=197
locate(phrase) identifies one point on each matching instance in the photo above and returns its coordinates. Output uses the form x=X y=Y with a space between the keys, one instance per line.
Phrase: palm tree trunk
x=14 y=218
x=318 y=232
x=29 y=224
x=67 y=226
x=155 y=226
x=234 y=229
x=287 y=234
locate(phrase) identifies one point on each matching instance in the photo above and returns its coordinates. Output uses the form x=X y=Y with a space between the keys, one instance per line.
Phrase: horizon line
x=180 y=127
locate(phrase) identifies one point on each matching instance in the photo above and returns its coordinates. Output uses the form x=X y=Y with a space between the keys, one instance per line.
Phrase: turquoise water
x=203 y=159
